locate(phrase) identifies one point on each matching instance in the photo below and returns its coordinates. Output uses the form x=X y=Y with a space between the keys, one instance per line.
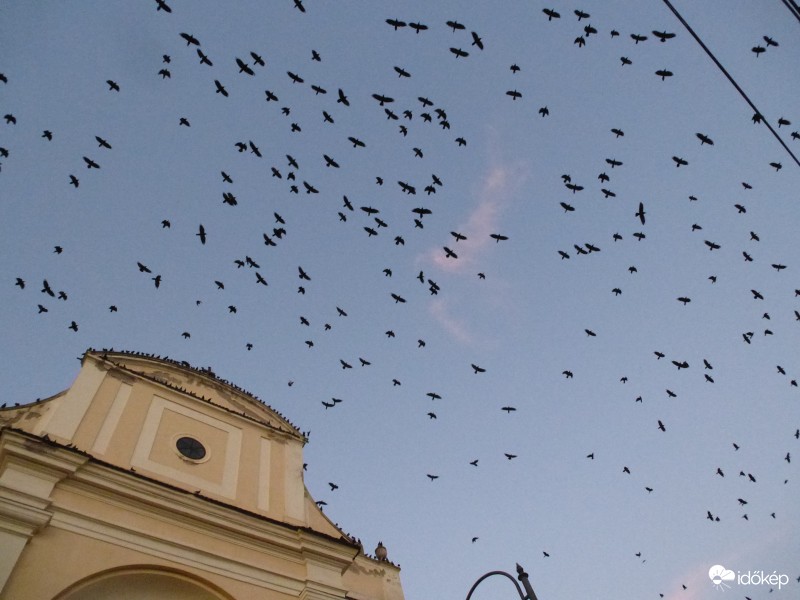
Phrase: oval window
x=191 y=448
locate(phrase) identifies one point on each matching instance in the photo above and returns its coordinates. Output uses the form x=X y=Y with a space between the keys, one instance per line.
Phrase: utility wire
x=793 y=8
x=731 y=79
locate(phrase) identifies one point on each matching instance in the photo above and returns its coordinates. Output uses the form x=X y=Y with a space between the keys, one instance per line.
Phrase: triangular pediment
x=201 y=383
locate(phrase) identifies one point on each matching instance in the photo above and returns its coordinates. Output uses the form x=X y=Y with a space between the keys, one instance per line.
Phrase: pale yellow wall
x=85 y=492
x=143 y=584
x=48 y=568
x=133 y=422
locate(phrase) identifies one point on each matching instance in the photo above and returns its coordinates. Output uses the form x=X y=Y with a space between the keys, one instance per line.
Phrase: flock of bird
x=411 y=212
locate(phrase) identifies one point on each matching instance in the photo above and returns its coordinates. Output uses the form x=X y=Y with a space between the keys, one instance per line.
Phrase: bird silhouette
x=551 y=14
x=220 y=88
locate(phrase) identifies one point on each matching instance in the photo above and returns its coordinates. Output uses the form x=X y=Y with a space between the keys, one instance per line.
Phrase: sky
x=442 y=324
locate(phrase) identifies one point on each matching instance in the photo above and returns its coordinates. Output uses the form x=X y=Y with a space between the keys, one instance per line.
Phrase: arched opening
x=142 y=583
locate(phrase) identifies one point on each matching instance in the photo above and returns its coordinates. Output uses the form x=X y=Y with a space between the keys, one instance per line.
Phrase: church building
x=151 y=479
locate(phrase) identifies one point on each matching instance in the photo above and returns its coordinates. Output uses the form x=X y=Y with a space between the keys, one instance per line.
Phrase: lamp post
x=521 y=575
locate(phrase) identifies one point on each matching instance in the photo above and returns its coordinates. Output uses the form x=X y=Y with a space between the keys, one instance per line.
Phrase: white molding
x=64 y=420
x=295 y=489
x=182 y=554
x=264 y=470
x=132 y=494
x=112 y=419
x=147 y=438
x=324 y=559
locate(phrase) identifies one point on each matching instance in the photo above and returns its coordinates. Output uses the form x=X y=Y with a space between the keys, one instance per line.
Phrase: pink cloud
x=481 y=222
x=494 y=192
x=455 y=327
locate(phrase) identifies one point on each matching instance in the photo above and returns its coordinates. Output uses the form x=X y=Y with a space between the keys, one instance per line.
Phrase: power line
x=793 y=8
x=731 y=79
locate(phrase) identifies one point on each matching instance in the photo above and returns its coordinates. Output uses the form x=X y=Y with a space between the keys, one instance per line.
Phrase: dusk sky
x=582 y=272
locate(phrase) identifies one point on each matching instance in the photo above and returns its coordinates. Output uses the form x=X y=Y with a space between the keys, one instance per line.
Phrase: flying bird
x=190 y=39
x=640 y=213
x=382 y=99
x=243 y=67
x=551 y=14
x=704 y=139
x=477 y=41
x=220 y=88
x=663 y=36
x=396 y=23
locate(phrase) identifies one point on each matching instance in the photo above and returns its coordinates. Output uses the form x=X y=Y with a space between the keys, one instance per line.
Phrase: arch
x=145 y=582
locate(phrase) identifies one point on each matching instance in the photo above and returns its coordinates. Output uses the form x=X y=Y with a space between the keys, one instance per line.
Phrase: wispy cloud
x=440 y=310
x=494 y=192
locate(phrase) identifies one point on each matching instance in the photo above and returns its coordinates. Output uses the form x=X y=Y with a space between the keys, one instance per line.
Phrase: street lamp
x=521 y=575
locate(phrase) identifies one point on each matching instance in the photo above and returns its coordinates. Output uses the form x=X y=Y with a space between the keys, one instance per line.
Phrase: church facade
x=148 y=478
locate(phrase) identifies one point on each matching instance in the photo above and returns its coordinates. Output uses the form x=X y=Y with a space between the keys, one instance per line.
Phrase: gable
x=182 y=427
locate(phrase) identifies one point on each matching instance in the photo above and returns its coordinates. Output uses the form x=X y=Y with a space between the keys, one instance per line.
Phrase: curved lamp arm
x=521 y=575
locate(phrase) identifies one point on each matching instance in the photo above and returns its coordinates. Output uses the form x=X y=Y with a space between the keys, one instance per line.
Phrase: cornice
x=207 y=374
